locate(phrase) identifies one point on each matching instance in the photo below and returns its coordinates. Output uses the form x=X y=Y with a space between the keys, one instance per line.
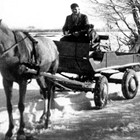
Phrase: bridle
x=13 y=46
x=29 y=65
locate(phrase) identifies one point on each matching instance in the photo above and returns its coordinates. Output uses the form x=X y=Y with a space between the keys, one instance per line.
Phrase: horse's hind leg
x=22 y=92
x=51 y=90
x=43 y=91
x=47 y=88
x=8 y=91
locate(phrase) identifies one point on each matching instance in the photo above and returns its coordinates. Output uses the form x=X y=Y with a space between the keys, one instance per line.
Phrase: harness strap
x=13 y=46
x=15 y=36
x=34 y=42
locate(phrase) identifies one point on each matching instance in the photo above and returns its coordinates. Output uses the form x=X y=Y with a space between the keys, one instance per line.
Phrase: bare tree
x=122 y=15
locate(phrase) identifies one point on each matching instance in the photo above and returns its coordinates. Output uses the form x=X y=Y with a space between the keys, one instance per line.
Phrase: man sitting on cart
x=75 y=29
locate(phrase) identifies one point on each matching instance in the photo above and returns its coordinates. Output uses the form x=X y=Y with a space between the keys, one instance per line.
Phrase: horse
x=16 y=55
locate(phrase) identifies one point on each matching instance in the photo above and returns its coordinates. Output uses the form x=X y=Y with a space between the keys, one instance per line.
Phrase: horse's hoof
x=21 y=137
x=41 y=121
x=30 y=137
x=39 y=126
x=47 y=124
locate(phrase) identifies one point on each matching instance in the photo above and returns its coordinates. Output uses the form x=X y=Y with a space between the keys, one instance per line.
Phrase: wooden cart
x=94 y=69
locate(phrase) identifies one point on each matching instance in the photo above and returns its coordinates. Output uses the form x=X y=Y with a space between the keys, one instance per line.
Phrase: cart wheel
x=130 y=84
x=101 y=92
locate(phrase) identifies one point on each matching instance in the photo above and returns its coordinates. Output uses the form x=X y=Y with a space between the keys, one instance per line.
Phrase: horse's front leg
x=22 y=92
x=8 y=91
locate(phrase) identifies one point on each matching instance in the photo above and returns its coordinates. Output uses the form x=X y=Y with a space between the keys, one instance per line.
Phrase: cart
x=93 y=70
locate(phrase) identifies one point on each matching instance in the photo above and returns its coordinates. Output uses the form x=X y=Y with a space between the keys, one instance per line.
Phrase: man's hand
x=66 y=32
x=76 y=34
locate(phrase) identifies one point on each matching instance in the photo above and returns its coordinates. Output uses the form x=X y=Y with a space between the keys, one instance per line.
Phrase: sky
x=44 y=14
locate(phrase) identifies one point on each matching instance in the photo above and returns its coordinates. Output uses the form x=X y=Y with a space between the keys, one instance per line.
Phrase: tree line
x=121 y=15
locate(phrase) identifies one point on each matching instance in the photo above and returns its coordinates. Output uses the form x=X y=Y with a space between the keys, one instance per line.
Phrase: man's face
x=76 y=10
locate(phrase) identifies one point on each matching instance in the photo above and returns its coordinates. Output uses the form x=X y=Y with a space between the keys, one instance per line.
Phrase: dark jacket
x=78 y=25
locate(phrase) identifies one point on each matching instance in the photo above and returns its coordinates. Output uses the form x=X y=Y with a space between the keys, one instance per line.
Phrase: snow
x=66 y=107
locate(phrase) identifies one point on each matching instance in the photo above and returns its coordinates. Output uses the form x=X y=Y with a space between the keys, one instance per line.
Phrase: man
x=74 y=28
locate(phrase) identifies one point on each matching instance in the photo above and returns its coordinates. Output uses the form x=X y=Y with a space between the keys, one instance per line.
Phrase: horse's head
x=6 y=39
x=15 y=47
x=11 y=40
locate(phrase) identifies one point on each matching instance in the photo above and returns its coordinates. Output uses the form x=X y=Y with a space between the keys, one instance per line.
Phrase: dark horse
x=16 y=53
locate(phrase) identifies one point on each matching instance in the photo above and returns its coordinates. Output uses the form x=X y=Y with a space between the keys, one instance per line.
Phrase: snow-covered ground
x=75 y=108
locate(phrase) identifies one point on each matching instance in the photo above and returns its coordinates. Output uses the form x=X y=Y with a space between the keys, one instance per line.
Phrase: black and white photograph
x=69 y=69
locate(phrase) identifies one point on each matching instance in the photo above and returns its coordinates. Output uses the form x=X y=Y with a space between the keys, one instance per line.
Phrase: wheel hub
x=132 y=85
x=104 y=92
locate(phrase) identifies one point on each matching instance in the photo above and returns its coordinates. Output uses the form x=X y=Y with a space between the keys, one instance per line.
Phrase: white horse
x=16 y=51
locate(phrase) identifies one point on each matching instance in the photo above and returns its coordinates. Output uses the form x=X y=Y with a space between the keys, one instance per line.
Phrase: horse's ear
x=0 y=21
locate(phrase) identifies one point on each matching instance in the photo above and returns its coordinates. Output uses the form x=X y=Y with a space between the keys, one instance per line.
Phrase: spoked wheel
x=101 y=92
x=130 y=84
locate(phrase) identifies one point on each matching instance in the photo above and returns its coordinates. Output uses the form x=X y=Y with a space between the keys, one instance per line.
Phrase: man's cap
x=74 y=5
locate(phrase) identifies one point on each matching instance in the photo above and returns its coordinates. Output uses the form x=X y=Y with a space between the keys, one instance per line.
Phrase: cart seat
x=72 y=49
x=73 y=57
x=96 y=55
